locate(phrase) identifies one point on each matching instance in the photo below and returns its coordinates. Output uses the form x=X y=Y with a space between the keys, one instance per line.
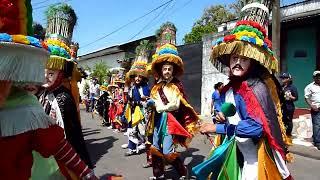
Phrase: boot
x=149 y=157
x=177 y=163
x=157 y=164
x=289 y=141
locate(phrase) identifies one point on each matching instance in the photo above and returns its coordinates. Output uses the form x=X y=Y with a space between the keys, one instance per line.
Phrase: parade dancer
x=175 y=119
x=254 y=91
x=58 y=100
x=103 y=105
x=24 y=126
x=138 y=96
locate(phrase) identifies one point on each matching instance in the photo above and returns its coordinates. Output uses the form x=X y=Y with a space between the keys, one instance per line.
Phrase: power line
x=41 y=2
x=40 y=7
x=149 y=23
x=121 y=27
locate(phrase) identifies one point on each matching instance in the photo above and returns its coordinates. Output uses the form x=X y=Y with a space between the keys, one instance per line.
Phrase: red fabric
x=112 y=112
x=16 y=151
x=120 y=108
x=256 y=112
x=175 y=128
x=9 y=17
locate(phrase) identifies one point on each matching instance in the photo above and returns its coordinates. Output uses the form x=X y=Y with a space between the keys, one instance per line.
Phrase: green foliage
x=62 y=9
x=197 y=32
x=164 y=26
x=144 y=47
x=238 y=5
x=100 y=71
x=38 y=30
x=212 y=17
x=86 y=88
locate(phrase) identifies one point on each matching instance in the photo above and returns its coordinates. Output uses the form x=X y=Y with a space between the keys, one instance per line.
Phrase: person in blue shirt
x=216 y=95
x=290 y=95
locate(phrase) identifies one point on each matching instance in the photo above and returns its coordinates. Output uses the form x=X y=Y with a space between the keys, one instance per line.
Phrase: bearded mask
x=54 y=78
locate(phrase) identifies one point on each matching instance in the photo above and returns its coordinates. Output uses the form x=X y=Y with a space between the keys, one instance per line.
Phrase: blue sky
x=97 y=18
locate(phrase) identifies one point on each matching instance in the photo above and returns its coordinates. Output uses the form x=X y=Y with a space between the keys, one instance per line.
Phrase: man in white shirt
x=94 y=92
x=312 y=97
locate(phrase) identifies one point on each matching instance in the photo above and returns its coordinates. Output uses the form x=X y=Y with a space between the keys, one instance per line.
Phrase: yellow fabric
x=275 y=98
x=150 y=126
x=267 y=169
x=168 y=58
x=56 y=63
x=128 y=113
x=137 y=116
x=245 y=49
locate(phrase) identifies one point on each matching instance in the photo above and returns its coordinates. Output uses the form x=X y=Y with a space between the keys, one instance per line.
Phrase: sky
x=97 y=18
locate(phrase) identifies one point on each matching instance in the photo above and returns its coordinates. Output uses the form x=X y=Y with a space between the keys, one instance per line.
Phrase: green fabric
x=19 y=97
x=163 y=131
x=45 y=168
x=230 y=169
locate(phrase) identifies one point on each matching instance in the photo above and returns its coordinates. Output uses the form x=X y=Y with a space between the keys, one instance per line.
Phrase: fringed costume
x=24 y=126
x=256 y=129
x=175 y=119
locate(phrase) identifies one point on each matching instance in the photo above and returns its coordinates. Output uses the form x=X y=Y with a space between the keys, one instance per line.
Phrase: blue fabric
x=163 y=142
x=132 y=145
x=316 y=128
x=214 y=163
x=135 y=92
x=215 y=96
x=246 y=128
x=289 y=104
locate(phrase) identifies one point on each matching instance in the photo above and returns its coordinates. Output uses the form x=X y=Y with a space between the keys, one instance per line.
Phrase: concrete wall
x=210 y=74
x=109 y=59
x=191 y=55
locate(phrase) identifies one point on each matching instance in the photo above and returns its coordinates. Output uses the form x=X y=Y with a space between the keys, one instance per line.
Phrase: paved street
x=107 y=155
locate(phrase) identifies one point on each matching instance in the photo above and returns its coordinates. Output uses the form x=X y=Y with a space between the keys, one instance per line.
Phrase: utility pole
x=276 y=30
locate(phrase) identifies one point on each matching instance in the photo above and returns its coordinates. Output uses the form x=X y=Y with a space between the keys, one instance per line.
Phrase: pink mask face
x=137 y=79
x=239 y=65
x=51 y=77
x=167 y=71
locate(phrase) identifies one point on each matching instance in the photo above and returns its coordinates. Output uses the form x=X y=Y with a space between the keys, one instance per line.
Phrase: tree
x=38 y=30
x=208 y=23
x=100 y=71
x=238 y=5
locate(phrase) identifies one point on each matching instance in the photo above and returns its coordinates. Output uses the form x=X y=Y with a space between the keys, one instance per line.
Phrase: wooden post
x=276 y=30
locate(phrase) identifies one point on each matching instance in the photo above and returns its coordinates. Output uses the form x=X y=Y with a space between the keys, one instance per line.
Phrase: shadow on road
x=87 y=132
x=97 y=148
x=196 y=159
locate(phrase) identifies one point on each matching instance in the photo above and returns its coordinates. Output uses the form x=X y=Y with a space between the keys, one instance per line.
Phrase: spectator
x=312 y=97
x=216 y=95
x=94 y=92
x=290 y=94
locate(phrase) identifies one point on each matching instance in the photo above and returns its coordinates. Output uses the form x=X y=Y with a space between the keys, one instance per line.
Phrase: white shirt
x=312 y=93
x=94 y=89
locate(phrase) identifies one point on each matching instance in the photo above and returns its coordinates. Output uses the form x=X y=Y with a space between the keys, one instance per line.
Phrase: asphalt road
x=106 y=153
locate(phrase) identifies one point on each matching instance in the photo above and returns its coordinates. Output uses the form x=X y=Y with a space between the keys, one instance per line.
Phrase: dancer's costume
x=103 y=104
x=137 y=103
x=256 y=129
x=175 y=120
x=24 y=126
x=59 y=101
x=113 y=108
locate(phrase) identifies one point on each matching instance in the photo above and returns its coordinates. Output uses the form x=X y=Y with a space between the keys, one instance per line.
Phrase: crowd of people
x=40 y=126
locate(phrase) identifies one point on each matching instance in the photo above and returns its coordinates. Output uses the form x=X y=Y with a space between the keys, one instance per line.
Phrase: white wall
x=110 y=60
x=210 y=75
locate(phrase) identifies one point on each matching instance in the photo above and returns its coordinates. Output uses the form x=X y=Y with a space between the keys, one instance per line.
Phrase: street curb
x=309 y=152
